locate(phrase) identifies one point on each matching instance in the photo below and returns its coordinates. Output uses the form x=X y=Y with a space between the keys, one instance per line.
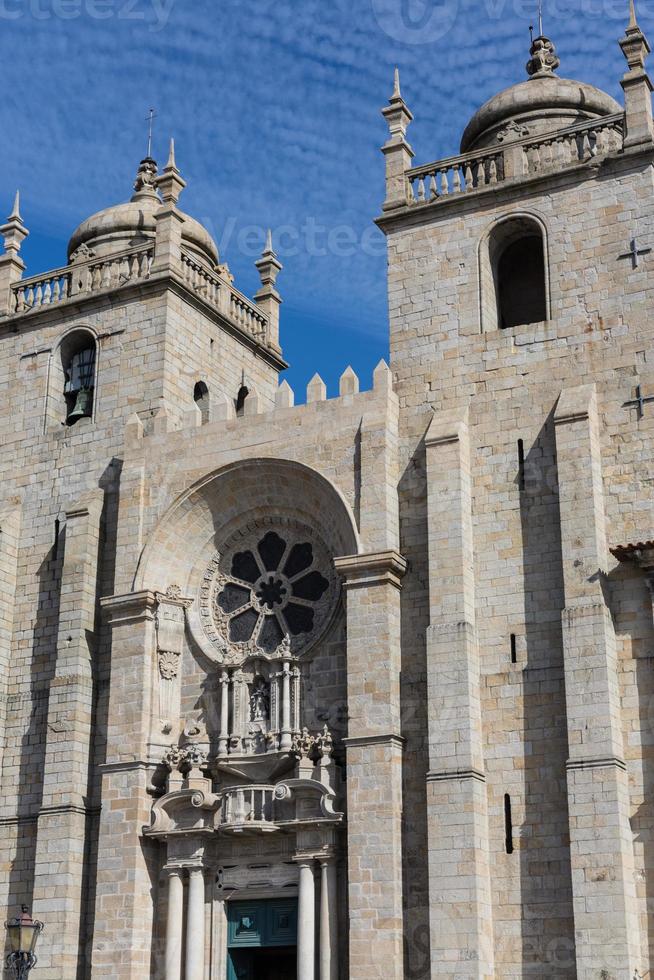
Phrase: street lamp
x=23 y=933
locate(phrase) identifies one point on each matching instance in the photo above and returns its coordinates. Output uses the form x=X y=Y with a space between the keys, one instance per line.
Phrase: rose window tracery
x=270 y=586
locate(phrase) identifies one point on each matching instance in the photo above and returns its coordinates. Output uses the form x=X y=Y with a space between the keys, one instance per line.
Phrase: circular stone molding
x=270 y=591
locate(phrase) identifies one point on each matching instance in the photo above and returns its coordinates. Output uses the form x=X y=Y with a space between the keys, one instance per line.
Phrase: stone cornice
x=129 y=608
x=362 y=741
x=377 y=568
x=601 y=762
x=448 y=775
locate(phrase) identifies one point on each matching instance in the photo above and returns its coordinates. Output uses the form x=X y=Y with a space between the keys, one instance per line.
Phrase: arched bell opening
x=514 y=274
x=72 y=386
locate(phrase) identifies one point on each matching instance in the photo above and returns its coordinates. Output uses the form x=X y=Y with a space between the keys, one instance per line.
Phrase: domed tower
x=520 y=292
x=141 y=333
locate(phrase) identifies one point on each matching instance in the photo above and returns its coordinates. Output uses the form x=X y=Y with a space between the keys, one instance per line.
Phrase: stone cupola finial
x=14 y=231
x=146 y=177
x=544 y=60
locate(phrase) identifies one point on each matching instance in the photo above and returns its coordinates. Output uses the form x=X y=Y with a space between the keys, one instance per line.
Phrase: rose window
x=272 y=585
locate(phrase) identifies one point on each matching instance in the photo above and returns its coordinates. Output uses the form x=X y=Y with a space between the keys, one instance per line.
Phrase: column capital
x=377 y=568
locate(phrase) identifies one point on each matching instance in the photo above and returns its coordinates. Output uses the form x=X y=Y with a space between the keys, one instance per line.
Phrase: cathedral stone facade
x=361 y=688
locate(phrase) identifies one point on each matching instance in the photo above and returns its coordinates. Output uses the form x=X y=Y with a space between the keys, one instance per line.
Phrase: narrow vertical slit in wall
x=508 y=824
x=514 y=649
x=521 y=464
x=55 y=548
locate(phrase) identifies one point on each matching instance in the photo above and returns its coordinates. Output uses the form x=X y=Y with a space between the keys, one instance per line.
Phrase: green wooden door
x=254 y=927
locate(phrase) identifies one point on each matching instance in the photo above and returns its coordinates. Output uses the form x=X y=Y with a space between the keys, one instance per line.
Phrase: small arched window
x=78 y=362
x=514 y=275
x=241 y=398
x=201 y=399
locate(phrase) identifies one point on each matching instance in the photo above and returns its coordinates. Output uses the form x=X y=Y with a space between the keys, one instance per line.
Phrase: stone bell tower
x=520 y=289
x=142 y=325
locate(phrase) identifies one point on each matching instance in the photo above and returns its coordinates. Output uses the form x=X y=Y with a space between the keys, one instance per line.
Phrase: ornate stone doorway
x=262 y=940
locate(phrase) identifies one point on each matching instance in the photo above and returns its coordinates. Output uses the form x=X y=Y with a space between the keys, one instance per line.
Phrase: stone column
x=374 y=764
x=174 y=924
x=223 y=738
x=195 y=917
x=286 y=740
x=457 y=818
x=62 y=823
x=128 y=864
x=306 y=922
x=601 y=843
x=328 y=920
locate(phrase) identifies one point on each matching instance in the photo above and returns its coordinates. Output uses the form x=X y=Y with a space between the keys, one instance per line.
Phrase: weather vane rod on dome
x=540 y=22
x=150 y=120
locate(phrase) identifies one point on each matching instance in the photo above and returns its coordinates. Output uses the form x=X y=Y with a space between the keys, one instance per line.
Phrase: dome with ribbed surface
x=128 y=225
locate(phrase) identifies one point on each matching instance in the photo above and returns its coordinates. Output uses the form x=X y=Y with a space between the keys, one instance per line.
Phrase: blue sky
x=274 y=105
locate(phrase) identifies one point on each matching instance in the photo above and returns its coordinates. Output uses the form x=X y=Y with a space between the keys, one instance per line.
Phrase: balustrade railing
x=245 y=805
x=577 y=144
x=222 y=295
x=81 y=278
x=455 y=175
x=94 y=275
x=523 y=158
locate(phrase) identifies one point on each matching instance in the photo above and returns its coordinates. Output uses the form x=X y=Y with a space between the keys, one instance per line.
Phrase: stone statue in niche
x=260 y=701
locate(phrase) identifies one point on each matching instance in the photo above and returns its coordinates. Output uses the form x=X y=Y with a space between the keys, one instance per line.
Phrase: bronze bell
x=83 y=407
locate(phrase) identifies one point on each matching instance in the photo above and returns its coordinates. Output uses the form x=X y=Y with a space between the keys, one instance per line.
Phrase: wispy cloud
x=275 y=108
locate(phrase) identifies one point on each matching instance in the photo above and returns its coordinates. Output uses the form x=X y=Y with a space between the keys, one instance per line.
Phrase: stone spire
x=634 y=44
x=169 y=220
x=636 y=84
x=14 y=231
x=397 y=150
x=170 y=183
x=267 y=298
x=12 y=266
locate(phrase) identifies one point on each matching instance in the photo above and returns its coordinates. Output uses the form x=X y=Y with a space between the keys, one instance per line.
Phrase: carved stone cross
x=639 y=402
x=635 y=253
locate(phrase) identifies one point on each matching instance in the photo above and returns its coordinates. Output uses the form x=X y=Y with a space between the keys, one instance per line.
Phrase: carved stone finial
x=171 y=165
x=397 y=92
x=14 y=231
x=15 y=211
x=634 y=44
x=544 y=60
x=146 y=178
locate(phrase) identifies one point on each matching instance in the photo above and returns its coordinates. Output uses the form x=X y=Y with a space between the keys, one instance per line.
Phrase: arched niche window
x=514 y=275
x=201 y=399
x=73 y=382
x=241 y=398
